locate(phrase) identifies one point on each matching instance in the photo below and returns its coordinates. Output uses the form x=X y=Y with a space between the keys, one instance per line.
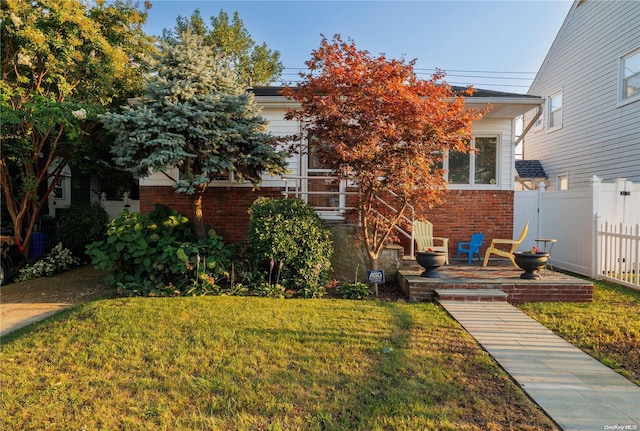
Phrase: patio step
x=468 y=295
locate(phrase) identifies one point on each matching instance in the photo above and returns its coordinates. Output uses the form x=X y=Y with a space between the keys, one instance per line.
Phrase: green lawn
x=238 y=363
x=607 y=328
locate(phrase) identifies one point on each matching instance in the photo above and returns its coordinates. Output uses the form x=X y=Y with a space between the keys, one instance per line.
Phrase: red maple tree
x=382 y=129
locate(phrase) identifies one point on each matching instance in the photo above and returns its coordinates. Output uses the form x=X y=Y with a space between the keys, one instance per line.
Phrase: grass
x=232 y=363
x=607 y=328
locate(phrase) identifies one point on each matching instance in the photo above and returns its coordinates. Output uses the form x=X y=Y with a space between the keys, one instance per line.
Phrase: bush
x=59 y=259
x=159 y=254
x=81 y=225
x=289 y=234
x=355 y=290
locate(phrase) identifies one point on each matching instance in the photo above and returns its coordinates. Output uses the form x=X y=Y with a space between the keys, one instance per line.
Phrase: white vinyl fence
x=114 y=208
x=593 y=226
x=620 y=248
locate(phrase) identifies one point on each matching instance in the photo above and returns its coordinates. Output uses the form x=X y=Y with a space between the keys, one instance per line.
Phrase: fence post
x=596 y=263
x=542 y=187
x=595 y=206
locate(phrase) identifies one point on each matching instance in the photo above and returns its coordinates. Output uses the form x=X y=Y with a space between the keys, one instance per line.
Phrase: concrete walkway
x=16 y=316
x=576 y=391
x=27 y=302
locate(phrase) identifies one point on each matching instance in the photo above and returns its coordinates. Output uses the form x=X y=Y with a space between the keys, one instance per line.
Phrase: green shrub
x=159 y=254
x=59 y=259
x=355 y=290
x=289 y=233
x=81 y=225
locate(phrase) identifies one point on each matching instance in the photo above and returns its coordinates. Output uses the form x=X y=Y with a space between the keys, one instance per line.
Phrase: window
x=58 y=189
x=459 y=164
x=485 y=160
x=475 y=169
x=554 y=108
x=60 y=196
x=539 y=121
x=630 y=76
x=562 y=182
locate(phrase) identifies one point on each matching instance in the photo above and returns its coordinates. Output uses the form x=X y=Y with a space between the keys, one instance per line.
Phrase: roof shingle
x=530 y=169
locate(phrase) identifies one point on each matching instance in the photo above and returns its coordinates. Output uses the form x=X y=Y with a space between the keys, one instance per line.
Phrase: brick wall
x=467 y=211
x=464 y=211
x=521 y=291
x=225 y=208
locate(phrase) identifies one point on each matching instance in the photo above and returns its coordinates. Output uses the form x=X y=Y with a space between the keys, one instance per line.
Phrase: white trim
x=549 y=112
x=559 y=179
x=621 y=99
x=471 y=185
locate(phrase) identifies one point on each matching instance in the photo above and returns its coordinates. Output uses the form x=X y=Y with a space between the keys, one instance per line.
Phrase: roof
x=555 y=43
x=277 y=91
x=530 y=169
x=503 y=105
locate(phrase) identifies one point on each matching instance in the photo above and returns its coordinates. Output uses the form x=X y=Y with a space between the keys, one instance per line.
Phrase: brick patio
x=465 y=282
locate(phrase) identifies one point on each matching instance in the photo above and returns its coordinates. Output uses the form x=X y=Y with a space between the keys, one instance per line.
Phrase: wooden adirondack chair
x=514 y=243
x=423 y=234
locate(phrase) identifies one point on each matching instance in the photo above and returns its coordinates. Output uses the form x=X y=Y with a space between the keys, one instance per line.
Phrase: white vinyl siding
x=278 y=126
x=599 y=135
x=502 y=129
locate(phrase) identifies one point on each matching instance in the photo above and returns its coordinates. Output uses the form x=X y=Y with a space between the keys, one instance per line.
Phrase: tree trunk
x=198 y=220
x=373 y=262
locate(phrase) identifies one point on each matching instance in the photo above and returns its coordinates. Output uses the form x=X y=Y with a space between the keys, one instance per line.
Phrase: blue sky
x=484 y=43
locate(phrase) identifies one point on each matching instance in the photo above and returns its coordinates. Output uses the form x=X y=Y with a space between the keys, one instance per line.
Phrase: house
x=115 y=190
x=590 y=79
x=480 y=196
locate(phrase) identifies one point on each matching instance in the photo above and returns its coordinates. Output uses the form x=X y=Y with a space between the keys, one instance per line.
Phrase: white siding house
x=496 y=132
x=590 y=79
x=480 y=184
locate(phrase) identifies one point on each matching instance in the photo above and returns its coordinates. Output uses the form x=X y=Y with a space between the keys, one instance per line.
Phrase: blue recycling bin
x=38 y=245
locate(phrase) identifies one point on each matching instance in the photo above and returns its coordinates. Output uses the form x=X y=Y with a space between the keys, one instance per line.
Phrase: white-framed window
x=475 y=169
x=554 y=110
x=540 y=121
x=562 y=182
x=60 y=196
x=630 y=77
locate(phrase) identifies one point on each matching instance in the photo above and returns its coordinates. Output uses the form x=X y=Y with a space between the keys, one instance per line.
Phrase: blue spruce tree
x=194 y=116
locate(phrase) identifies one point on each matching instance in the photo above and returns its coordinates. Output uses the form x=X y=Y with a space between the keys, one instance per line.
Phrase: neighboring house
x=481 y=186
x=590 y=78
x=113 y=191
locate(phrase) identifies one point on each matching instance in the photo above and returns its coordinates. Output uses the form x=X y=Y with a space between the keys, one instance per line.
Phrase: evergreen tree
x=194 y=116
x=230 y=39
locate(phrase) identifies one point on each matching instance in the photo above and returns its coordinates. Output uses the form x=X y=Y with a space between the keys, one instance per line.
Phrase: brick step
x=468 y=295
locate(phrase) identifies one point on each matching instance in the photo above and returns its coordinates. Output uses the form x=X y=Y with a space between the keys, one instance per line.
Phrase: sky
x=495 y=45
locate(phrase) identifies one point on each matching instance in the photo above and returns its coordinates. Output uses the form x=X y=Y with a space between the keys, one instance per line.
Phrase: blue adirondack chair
x=471 y=247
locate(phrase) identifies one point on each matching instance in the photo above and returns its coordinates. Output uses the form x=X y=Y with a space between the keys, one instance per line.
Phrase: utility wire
x=491 y=75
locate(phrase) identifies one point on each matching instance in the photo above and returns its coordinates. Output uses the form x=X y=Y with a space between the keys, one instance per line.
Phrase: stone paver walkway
x=577 y=391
